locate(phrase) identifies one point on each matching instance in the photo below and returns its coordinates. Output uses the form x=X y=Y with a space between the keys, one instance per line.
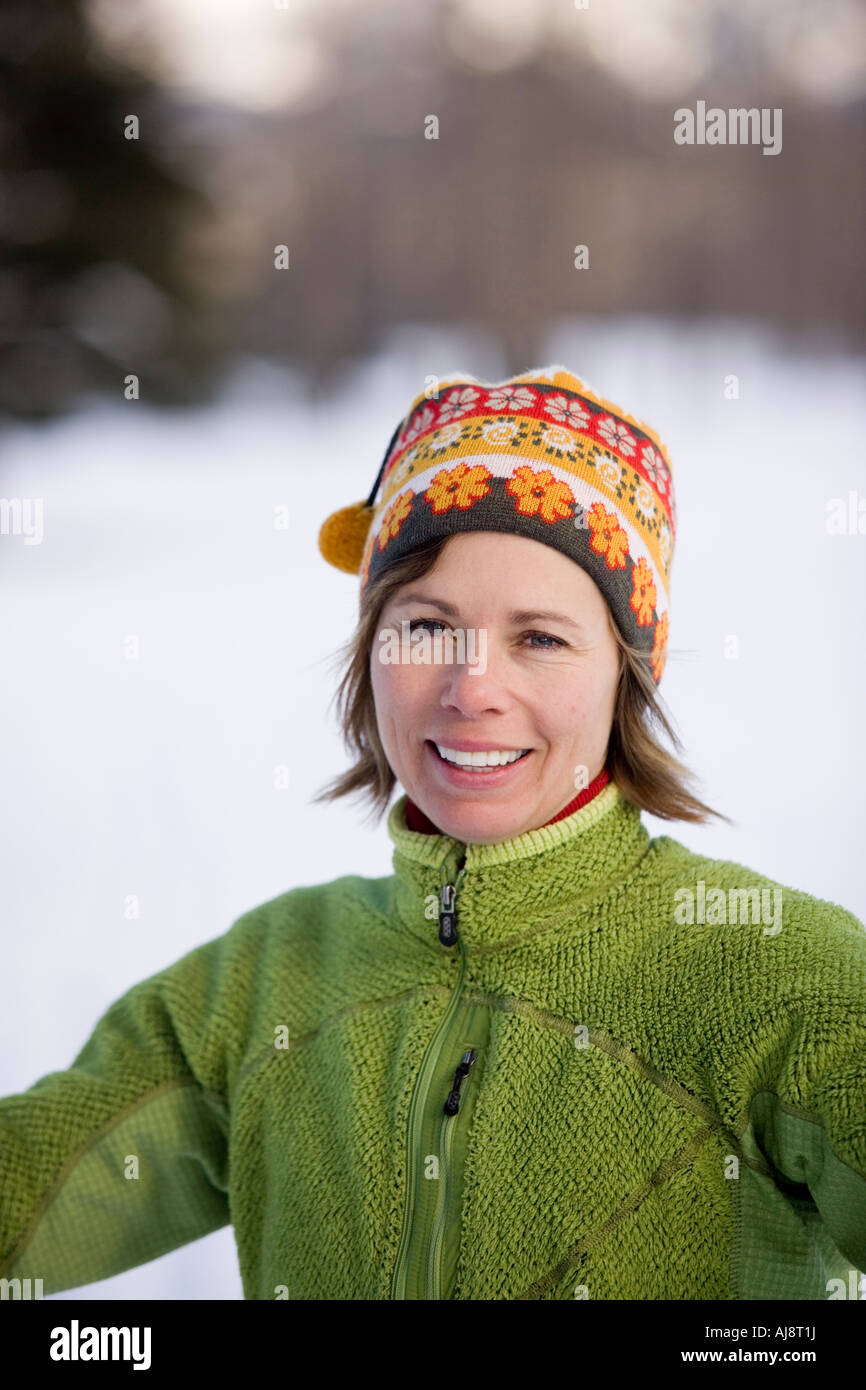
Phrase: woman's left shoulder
x=723 y=893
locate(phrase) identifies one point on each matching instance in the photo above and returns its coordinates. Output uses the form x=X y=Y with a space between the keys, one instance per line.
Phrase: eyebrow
x=517 y=615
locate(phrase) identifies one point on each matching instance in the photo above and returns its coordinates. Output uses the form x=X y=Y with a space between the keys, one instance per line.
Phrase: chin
x=483 y=824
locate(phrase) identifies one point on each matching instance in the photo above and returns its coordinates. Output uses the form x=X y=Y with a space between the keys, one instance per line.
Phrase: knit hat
x=539 y=455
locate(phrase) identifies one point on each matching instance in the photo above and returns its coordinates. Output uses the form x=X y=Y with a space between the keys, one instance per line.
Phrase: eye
x=548 y=637
x=425 y=622
x=549 y=642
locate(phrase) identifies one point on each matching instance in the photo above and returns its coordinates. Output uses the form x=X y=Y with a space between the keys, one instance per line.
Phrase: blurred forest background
x=303 y=124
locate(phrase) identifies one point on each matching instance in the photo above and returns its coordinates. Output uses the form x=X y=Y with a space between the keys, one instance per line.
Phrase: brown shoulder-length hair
x=645 y=772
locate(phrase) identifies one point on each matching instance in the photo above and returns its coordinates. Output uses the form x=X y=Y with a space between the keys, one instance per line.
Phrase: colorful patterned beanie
x=539 y=455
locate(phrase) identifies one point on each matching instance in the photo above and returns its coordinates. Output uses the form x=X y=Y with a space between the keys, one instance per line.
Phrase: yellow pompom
x=342 y=536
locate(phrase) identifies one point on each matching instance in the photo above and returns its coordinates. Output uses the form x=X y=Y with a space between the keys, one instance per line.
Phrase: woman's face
x=548 y=684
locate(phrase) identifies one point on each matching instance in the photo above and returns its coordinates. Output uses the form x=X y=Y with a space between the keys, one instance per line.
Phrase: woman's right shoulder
x=306 y=923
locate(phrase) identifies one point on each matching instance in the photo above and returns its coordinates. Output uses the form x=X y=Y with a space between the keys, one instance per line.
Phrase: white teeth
x=497 y=757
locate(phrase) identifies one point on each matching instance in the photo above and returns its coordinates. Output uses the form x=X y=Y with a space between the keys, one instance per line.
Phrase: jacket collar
x=509 y=889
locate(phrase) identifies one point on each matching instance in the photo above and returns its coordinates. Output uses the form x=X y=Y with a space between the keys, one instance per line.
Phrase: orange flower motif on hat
x=567 y=411
x=540 y=494
x=656 y=468
x=457 y=402
x=393 y=518
x=643 y=595
x=608 y=537
x=614 y=433
x=460 y=486
x=511 y=398
x=658 y=655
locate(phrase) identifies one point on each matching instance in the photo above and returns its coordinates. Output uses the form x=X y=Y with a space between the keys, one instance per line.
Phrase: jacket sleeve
x=124 y=1156
x=813 y=1128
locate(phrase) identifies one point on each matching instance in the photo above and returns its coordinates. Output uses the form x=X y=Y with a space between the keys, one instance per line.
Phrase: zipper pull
x=452 y=1104
x=448 y=915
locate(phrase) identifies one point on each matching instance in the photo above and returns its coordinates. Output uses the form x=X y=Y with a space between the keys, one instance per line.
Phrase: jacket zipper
x=446 y=1145
x=418 y=1107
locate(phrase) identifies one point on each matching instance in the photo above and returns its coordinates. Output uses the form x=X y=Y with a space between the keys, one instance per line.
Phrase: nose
x=476 y=684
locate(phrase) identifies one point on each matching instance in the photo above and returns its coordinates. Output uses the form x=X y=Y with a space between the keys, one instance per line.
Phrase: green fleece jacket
x=634 y=1073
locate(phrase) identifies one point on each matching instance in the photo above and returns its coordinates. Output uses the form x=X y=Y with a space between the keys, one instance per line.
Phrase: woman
x=549 y=1057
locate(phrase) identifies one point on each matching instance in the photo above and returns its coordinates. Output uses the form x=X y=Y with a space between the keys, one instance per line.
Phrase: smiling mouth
x=479 y=769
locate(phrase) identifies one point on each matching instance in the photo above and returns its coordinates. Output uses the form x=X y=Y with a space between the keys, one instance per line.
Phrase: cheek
x=399 y=689
x=575 y=712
